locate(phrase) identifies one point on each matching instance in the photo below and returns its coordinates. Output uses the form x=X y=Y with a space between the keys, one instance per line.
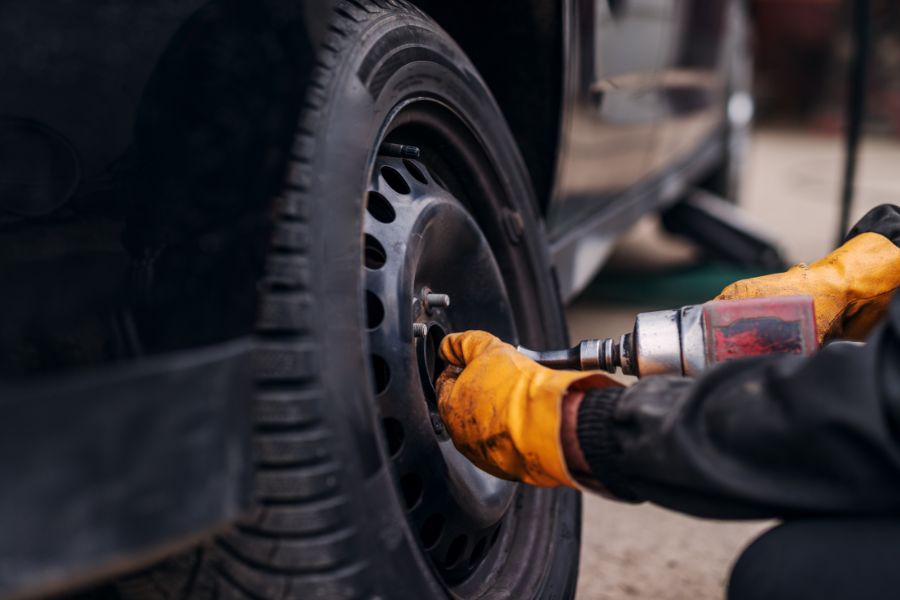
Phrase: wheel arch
x=517 y=47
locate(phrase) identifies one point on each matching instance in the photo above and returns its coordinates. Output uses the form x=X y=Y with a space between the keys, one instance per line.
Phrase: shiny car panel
x=645 y=94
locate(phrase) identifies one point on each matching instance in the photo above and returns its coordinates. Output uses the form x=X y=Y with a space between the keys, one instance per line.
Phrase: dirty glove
x=851 y=287
x=503 y=410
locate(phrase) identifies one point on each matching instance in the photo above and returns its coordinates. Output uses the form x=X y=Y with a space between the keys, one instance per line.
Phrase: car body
x=618 y=107
x=628 y=125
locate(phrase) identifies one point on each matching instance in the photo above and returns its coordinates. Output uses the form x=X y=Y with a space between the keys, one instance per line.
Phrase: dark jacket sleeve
x=884 y=219
x=763 y=437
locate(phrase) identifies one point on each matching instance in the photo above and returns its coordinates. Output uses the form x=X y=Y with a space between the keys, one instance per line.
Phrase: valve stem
x=400 y=150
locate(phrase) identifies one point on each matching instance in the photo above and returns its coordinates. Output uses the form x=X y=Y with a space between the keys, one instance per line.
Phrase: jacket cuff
x=598 y=443
x=883 y=220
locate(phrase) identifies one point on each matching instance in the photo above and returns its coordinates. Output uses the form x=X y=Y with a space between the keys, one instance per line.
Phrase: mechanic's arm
x=767 y=437
x=773 y=436
x=761 y=437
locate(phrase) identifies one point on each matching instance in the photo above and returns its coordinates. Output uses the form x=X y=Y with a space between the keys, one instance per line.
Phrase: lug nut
x=436 y=301
x=420 y=330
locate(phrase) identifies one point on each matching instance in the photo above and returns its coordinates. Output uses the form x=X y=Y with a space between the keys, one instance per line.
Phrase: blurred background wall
x=802 y=53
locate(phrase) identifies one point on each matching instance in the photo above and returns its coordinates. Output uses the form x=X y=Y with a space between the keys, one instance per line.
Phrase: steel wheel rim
x=417 y=234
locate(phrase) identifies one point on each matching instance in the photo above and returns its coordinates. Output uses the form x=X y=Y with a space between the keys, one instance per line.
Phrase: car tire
x=332 y=518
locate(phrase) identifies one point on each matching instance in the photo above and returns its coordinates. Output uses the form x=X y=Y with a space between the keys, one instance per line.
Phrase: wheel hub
x=427 y=257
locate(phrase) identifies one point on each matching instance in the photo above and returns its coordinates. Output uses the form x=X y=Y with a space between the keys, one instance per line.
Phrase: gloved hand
x=503 y=410
x=851 y=287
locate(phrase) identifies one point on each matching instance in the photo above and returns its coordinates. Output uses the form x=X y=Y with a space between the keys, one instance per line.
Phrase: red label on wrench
x=758 y=327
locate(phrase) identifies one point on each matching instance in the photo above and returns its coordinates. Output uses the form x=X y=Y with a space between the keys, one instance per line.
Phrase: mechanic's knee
x=814 y=559
x=789 y=562
x=759 y=571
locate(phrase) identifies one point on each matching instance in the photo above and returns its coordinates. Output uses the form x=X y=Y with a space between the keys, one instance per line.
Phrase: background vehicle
x=220 y=225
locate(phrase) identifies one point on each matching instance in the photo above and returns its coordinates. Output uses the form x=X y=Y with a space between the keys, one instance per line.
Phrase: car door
x=693 y=79
x=608 y=122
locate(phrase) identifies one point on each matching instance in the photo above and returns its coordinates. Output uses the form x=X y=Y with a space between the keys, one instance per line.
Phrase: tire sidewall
x=348 y=132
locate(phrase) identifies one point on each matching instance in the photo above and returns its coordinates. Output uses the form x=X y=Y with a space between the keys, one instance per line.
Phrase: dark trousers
x=821 y=560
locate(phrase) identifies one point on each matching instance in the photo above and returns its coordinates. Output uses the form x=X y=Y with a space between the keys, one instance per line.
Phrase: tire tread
x=300 y=540
x=297 y=543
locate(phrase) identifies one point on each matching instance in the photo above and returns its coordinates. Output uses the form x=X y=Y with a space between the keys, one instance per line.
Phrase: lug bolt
x=420 y=330
x=436 y=301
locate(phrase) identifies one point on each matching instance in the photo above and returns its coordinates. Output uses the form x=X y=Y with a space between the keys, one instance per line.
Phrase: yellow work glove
x=503 y=410
x=851 y=287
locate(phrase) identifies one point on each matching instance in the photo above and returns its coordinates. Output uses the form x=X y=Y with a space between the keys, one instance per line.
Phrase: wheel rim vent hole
x=431 y=531
x=393 y=434
x=374 y=310
x=375 y=254
x=395 y=180
x=411 y=488
x=380 y=209
x=496 y=535
x=381 y=373
x=456 y=550
x=415 y=171
x=478 y=552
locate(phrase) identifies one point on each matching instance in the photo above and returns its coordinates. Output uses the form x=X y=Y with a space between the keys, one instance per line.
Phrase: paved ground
x=792 y=186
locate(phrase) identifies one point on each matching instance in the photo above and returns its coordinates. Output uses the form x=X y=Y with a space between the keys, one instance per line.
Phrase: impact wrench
x=688 y=340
